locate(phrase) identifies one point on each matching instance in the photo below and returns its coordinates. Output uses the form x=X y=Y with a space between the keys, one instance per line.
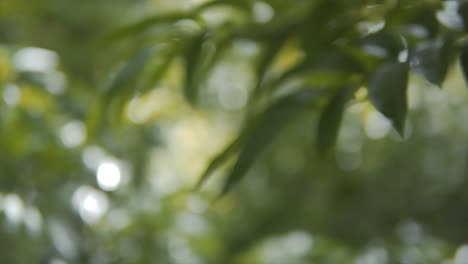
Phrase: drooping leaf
x=464 y=61
x=221 y=158
x=387 y=92
x=144 y=24
x=463 y=11
x=383 y=44
x=330 y=119
x=119 y=88
x=128 y=73
x=269 y=124
x=432 y=59
x=269 y=54
x=193 y=55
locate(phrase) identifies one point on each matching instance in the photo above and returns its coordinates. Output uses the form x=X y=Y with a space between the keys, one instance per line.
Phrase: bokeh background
x=99 y=166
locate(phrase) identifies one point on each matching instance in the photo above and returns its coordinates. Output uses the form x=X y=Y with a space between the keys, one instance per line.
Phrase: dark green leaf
x=463 y=11
x=330 y=120
x=269 y=54
x=145 y=24
x=192 y=63
x=269 y=124
x=464 y=61
x=221 y=158
x=129 y=72
x=432 y=59
x=383 y=44
x=387 y=92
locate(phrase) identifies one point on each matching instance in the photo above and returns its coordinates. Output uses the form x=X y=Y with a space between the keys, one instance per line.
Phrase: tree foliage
x=114 y=111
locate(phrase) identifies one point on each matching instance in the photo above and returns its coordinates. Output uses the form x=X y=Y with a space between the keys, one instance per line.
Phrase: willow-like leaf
x=193 y=58
x=269 y=124
x=330 y=119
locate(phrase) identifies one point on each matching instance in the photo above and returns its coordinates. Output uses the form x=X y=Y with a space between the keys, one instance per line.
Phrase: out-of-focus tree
x=233 y=131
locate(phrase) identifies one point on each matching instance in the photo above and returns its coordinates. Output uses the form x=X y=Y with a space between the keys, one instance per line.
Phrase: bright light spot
x=35 y=59
x=62 y=238
x=165 y=181
x=33 y=220
x=118 y=219
x=374 y=28
x=13 y=207
x=373 y=256
x=285 y=249
x=191 y=224
x=403 y=56
x=449 y=16
x=377 y=126
x=93 y=156
x=232 y=97
x=369 y=27
x=188 y=26
x=180 y=251
x=461 y=256
x=262 y=12
x=108 y=176
x=73 y=133
x=298 y=243
x=417 y=31
x=57 y=261
x=248 y=48
x=410 y=232
x=11 y=94
x=375 y=50
x=55 y=82
x=90 y=203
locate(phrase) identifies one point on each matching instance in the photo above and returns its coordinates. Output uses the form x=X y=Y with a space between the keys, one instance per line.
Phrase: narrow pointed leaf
x=269 y=55
x=220 y=159
x=387 y=92
x=192 y=64
x=432 y=59
x=464 y=61
x=270 y=123
x=129 y=72
x=330 y=119
x=142 y=25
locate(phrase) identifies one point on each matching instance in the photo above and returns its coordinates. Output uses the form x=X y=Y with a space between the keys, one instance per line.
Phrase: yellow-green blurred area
x=111 y=112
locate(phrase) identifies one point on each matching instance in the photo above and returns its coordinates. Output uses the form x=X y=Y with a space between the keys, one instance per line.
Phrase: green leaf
x=221 y=158
x=144 y=24
x=464 y=61
x=267 y=57
x=330 y=119
x=269 y=124
x=432 y=59
x=129 y=72
x=383 y=44
x=387 y=92
x=193 y=56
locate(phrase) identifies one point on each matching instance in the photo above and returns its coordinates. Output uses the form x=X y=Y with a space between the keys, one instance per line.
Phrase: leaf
x=268 y=56
x=221 y=158
x=269 y=124
x=383 y=44
x=387 y=92
x=330 y=119
x=192 y=64
x=432 y=59
x=464 y=61
x=128 y=73
x=142 y=25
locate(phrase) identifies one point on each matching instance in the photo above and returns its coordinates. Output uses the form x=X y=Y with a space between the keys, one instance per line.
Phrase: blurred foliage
x=233 y=131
